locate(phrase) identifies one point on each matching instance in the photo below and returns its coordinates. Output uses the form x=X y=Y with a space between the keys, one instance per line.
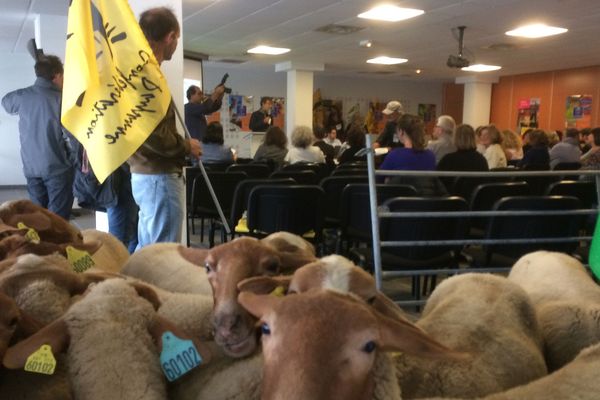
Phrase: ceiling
x=225 y=29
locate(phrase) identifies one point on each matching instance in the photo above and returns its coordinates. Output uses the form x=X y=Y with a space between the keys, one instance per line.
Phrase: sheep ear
x=194 y=256
x=264 y=284
x=147 y=293
x=403 y=336
x=28 y=325
x=56 y=335
x=387 y=307
x=162 y=325
x=91 y=246
x=36 y=220
x=258 y=305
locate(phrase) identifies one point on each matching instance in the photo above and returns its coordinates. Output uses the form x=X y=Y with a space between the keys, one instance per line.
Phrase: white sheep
x=566 y=300
x=170 y=266
x=112 y=254
x=493 y=322
x=111 y=335
x=577 y=380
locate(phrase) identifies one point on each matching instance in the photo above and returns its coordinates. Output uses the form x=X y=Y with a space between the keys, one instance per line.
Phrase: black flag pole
x=208 y=183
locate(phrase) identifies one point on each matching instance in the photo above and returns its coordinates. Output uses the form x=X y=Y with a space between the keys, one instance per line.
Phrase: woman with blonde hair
x=512 y=145
x=491 y=138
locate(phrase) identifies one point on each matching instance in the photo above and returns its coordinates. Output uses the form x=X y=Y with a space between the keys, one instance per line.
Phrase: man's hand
x=218 y=93
x=195 y=148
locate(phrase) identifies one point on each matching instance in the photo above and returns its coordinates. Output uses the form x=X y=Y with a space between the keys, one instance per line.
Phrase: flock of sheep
x=267 y=319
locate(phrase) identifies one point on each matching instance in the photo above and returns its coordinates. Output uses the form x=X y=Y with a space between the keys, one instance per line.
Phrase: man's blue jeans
x=53 y=192
x=160 y=198
x=123 y=218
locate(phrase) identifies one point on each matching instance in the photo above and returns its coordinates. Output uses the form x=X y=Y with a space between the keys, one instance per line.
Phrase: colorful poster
x=578 y=111
x=528 y=113
x=427 y=112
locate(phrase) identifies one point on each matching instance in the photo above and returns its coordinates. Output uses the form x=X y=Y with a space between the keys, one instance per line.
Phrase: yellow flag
x=114 y=92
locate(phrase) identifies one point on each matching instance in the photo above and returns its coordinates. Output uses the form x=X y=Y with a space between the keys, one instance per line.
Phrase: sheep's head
x=227 y=265
x=13 y=323
x=332 y=272
x=322 y=344
x=49 y=226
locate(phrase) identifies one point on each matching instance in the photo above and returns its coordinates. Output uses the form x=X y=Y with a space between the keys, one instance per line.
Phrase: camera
x=223 y=80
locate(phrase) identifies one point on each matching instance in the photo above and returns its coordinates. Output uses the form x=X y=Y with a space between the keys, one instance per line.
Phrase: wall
x=258 y=83
x=452 y=101
x=552 y=88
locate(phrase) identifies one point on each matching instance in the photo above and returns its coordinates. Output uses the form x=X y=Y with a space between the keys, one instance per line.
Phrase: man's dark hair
x=319 y=132
x=191 y=91
x=596 y=133
x=48 y=67
x=157 y=23
x=214 y=133
x=263 y=100
x=572 y=133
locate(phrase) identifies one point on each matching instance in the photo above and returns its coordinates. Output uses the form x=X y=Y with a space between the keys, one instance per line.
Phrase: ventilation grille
x=336 y=29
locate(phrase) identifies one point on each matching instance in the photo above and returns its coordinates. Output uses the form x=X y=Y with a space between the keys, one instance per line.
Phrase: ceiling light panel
x=536 y=31
x=481 y=68
x=390 y=13
x=272 y=51
x=386 y=60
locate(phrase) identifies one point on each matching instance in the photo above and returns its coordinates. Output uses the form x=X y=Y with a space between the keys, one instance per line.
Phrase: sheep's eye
x=208 y=267
x=371 y=300
x=370 y=347
x=265 y=329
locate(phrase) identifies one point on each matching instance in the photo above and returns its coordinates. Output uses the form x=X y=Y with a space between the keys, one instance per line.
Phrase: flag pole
x=208 y=184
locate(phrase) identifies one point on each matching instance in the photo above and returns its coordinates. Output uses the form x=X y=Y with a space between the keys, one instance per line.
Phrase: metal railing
x=379 y=212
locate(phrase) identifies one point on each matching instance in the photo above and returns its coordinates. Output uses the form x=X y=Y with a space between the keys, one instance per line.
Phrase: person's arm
x=11 y=102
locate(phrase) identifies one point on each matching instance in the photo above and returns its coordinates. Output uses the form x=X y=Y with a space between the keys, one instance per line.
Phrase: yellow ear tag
x=81 y=260
x=31 y=234
x=41 y=361
x=279 y=291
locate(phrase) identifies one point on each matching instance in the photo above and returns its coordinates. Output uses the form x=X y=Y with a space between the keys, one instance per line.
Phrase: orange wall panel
x=453 y=99
x=552 y=88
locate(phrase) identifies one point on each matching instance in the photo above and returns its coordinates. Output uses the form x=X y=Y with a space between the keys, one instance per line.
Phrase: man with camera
x=199 y=106
x=261 y=119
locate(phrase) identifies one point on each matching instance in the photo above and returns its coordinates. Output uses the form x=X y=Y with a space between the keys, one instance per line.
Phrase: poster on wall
x=427 y=112
x=528 y=114
x=578 y=111
x=375 y=120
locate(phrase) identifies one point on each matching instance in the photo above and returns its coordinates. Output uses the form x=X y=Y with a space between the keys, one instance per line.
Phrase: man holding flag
x=156 y=167
x=117 y=104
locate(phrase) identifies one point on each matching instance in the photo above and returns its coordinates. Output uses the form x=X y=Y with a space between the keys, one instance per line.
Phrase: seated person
x=413 y=157
x=513 y=146
x=466 y=157
x=302 y=149
x=331 y=138
x=327 y=149
x=568 y=150
x=213 y=150
x=538 y=155
x=355 y=138
x=491 y=138
x=273 y=148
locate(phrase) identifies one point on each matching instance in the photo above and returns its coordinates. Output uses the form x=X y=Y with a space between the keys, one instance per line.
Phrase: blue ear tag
x=178 y=357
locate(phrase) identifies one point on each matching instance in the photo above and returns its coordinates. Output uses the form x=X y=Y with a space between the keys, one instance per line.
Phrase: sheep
x=111 y=255
x=18 y=244
x=576 y=380
x=490 y=319
x=170 y=266
x=49 y=226
x=567 y=302
x=43 y=286
x=337 y=352
x=292 y=249
x=109 y=334
x=331 y=272
x=17 y=385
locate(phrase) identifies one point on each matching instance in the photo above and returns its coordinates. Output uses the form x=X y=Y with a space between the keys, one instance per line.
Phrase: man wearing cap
x=392 y=111
x=442 y=133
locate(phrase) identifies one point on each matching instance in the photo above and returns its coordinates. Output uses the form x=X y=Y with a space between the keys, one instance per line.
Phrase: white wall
x=16 y=70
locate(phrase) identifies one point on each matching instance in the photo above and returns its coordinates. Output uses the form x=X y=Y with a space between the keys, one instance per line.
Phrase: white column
x=299 y=97
x=478 y=99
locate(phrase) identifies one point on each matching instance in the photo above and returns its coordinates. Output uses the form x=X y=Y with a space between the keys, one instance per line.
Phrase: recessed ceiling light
x=388 y=12
x=386 y=60
x=536 y=31
x=418 y=71
x=273 y=51
x=481 y=68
